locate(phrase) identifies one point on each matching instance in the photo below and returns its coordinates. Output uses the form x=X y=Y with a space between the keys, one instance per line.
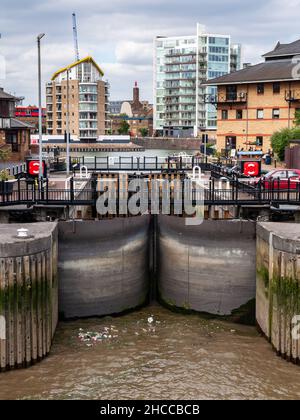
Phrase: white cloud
x=119 y=34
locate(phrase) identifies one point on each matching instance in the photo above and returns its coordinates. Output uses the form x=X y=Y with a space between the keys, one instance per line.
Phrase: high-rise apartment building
x=181 y=64
x=85 y=96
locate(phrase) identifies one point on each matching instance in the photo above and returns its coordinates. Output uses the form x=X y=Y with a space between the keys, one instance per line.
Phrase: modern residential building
x=138 y=114
x=87 y=101
x=255 y=102
x=14 y=134
x=181 y=64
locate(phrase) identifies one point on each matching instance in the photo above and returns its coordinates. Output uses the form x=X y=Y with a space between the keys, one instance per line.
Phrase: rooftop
x=20 y=124
x=4 y=95
x=88 y=59
x=282 y=50
x=269 y=71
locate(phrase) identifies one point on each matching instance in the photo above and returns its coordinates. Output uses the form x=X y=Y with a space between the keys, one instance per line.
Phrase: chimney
x=246 y=65
x=136 y=94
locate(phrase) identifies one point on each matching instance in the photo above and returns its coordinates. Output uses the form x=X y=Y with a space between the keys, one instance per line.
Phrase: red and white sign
x=33 y=168
x=251 y=169
x=34 y=141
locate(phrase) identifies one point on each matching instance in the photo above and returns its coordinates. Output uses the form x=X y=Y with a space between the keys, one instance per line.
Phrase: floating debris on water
x=143 y=326
x=97 y=336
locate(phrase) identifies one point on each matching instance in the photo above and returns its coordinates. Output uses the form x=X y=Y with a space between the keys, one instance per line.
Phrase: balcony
x=179 y=63
x=227 y=99
x=292 y=95
x=179 y=53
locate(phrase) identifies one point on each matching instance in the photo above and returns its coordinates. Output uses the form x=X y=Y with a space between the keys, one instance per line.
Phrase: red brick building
x=14 y=134
x=138 y=114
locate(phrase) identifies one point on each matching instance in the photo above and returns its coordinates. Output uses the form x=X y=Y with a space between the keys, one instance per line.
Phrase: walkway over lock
x=216 y=191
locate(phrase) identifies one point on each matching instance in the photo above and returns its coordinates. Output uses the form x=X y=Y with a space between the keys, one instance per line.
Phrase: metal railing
x=14 y=169
x=235 y=192
x=137 y=164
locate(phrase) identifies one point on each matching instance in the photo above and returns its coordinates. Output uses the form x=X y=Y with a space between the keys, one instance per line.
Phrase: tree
x=124 y=128
x=280 y=140
x=297 y=118
x=144 y=132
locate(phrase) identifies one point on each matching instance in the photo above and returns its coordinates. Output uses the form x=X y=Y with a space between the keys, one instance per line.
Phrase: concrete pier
x=208 y=268
x=103 y=266
x=28 y=294
x=278 y=286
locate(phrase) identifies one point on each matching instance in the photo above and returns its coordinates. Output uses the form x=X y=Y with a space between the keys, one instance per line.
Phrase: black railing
x=228 y=191
x=137 y=164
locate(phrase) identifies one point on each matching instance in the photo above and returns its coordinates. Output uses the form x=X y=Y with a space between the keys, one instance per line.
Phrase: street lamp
x=68 y=123
x=39 y=37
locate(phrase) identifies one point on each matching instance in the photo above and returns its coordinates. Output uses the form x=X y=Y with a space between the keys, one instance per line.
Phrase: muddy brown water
x=176 y=357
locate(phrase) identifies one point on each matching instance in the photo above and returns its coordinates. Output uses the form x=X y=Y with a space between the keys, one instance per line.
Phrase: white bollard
x=86 y=172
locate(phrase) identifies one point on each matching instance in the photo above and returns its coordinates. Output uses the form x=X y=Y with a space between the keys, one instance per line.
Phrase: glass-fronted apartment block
x=85 y=96
x=181 y=65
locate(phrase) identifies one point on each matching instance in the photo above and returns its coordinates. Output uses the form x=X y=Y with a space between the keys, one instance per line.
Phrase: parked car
x=282 y=179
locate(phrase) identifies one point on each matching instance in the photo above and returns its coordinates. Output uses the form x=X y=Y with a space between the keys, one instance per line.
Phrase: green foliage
x=297 y=119
x=144 y=132
x=124 y=128
x=4 y=155
x=4 y=175
x=280 y=140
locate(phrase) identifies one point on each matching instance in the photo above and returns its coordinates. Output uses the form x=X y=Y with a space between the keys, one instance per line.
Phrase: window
x=239 y=114
x=259 y=141
x=230 y=142
x=224 y=114
x=12 y=139
x=276 y=87
x=231 y=93
x=279 y=174
x=276 y=113
x=260 y=89
x=260 y=114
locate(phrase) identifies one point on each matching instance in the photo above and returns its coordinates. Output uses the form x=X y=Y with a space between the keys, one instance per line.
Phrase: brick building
x=88 y=101
x=14 y=134
x=255 y=102
x=138 y=114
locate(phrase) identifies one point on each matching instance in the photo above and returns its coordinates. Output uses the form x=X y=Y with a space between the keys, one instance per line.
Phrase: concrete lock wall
x=103 y=266
x=28 y=294
x=208 y=268
x=278 y=286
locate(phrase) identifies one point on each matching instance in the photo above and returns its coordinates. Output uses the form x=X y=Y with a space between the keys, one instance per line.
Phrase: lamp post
x=40 y=36
x=68 y=124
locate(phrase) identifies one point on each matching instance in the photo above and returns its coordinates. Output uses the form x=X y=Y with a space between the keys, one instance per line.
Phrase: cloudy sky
x=119 y=35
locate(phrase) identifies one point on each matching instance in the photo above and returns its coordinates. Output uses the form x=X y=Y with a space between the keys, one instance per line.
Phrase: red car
x=282 y=179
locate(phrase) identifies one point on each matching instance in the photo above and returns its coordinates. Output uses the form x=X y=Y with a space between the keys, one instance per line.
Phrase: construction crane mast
x=75 y=35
